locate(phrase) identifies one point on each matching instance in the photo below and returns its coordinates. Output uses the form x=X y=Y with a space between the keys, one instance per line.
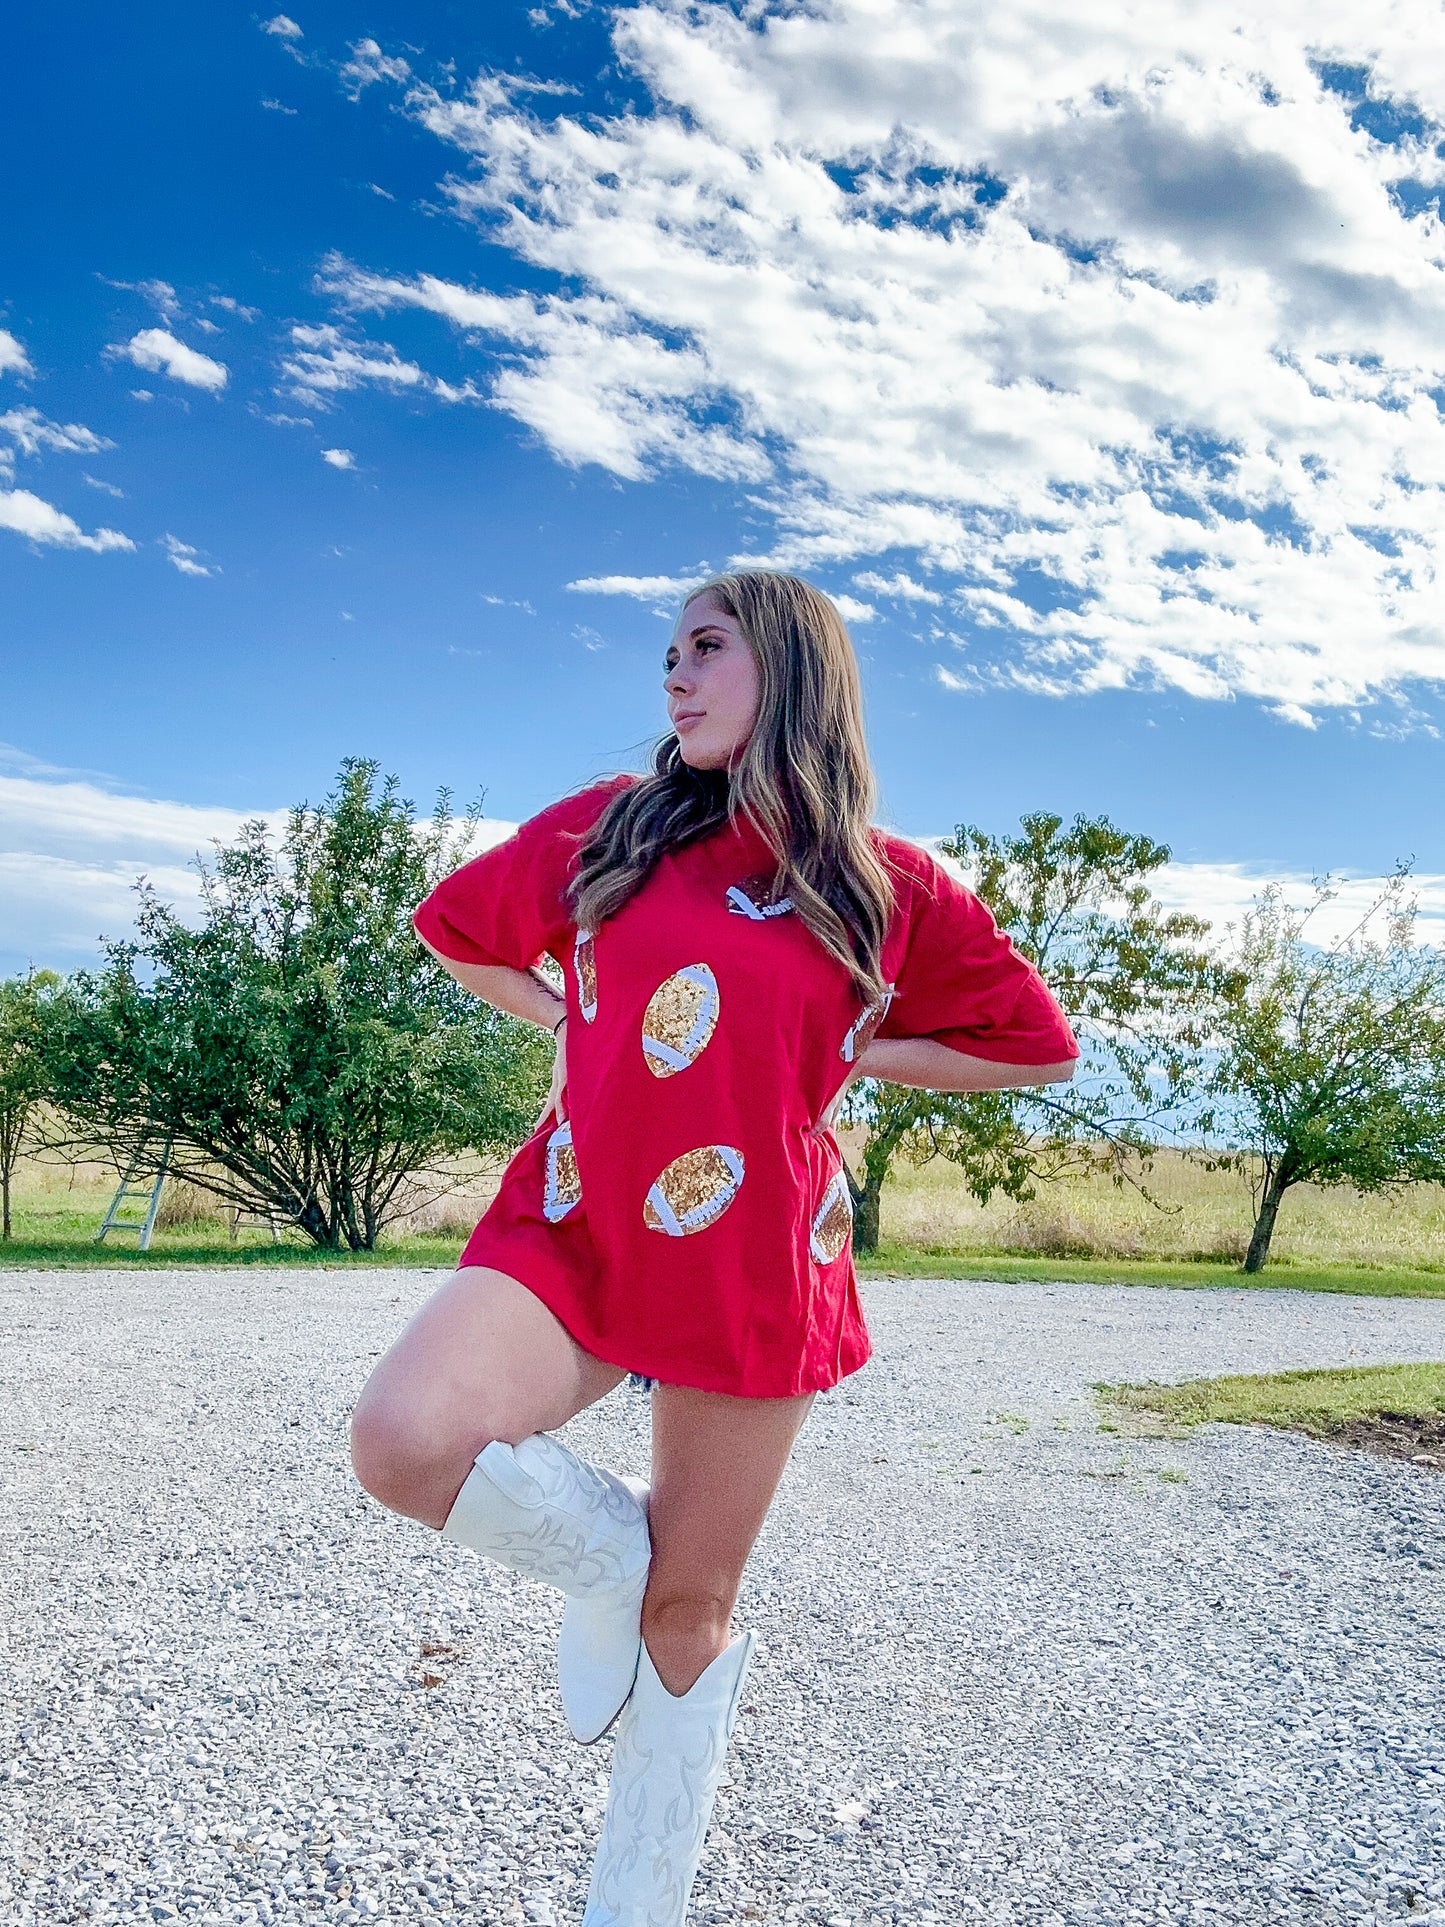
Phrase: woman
x=737 y=945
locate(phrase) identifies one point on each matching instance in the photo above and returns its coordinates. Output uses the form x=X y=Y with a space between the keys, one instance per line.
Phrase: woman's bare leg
x=716 y=1463
x=483 y=1359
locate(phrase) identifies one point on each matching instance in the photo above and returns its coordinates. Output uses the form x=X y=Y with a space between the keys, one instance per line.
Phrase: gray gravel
x=1013 y=1669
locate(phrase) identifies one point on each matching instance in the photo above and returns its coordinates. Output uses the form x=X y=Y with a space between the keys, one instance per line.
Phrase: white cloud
x=26 y=514
x=852 y=610
x=80 y=818
x=1223 y=892
x=159 y=294
x=672 y=588
x=54 y=911
x=159 y=352
x=283 y=26
x=338 y=457
x=70 y=853
x=278 y=106
x=13 y=358
x=611 y=394
x=367 y=65
x=235 y=307
x=141 y=394
x=106 y=488
x=31 y=432
x=1132 y=337
x=642 y=588
x=71 y=850
x=15 y=761
x=325 y=363
x=182 y=556
x=899 y=586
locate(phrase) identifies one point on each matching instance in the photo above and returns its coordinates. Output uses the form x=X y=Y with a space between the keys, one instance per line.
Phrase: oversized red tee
x=690 y=1219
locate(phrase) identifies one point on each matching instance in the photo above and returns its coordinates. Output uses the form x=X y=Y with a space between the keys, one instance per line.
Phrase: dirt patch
x=1392 y=1435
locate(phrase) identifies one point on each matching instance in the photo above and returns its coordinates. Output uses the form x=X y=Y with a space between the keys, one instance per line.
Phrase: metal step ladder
x=113 y=1221
x=259 y=1219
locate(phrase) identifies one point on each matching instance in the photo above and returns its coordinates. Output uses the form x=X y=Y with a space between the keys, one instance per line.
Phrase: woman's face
x=712 y=683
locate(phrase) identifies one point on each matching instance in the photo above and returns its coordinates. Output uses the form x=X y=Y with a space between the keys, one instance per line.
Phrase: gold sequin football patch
x=680 y=1019
x=562 y=1186
x=865 y=1027
x=832 y=1222
x=694 y=1190
x=584 y=965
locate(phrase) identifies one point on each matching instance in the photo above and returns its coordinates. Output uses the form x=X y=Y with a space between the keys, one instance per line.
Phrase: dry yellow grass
x=82 y=1190
x=1199 y=1214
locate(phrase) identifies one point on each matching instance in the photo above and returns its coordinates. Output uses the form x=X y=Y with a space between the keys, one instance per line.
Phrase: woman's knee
x=403 y=1462
x=685 y=1628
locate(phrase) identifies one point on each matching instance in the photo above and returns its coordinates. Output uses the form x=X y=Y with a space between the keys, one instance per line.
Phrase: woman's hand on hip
x=835 y=1104
x=557 y=1090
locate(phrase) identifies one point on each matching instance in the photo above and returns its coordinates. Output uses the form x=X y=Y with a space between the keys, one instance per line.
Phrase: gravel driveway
x=1012 y=1669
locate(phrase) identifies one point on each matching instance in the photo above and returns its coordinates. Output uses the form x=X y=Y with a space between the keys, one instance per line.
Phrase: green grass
x=22 y=1254
x=1384 y=1281
x=1321 y=1403
x=69 y=1243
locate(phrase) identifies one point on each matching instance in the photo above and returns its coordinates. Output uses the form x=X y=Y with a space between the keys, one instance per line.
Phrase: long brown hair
x=803 y=781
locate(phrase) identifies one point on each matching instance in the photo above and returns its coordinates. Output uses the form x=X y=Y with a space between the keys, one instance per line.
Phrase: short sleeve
x=963 y=983
x=509 y=905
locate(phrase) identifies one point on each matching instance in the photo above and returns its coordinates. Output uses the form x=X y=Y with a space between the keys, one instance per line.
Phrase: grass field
x=1194 y=1233
x=1318 y=1402
x=1370 y=1281
x=1199 y=1217
x=1395 y=1410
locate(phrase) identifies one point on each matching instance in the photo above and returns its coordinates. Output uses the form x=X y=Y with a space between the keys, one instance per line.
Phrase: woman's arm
x=930 y=1066
x=521 y=993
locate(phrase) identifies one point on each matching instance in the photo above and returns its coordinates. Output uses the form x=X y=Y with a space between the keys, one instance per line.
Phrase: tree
x=1133 y=979
x=1332 y=1059
x=299 y=1051
x=24 y=1002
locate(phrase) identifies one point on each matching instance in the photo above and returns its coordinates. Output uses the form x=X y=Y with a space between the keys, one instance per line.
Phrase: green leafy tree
x=1332 y=1061
x=298 y=1051
x=1135 y=981
x=24 y=1006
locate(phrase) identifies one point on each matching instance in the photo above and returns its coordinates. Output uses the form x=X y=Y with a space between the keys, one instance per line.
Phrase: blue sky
x=372 y=376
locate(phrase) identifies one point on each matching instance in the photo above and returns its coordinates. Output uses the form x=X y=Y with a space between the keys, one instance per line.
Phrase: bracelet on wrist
x=559 y=1023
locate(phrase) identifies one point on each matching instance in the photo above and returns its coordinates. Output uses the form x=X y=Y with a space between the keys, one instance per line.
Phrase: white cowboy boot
x=547 y=1514
x=666 y=1765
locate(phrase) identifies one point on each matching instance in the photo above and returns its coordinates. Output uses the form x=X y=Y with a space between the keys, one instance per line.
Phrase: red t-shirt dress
x=688 y=1219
